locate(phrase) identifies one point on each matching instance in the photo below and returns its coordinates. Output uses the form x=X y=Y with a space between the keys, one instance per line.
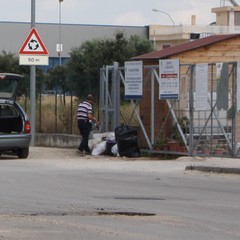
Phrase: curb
x=214 y=169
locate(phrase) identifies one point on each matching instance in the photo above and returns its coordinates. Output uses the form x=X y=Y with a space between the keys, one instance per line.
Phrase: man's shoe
x=80 y=153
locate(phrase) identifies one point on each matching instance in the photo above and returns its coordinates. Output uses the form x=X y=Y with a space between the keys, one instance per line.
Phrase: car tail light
x=27 y=127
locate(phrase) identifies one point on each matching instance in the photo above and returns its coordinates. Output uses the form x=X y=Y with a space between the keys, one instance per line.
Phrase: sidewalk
x=206 y=164
x=213 y=164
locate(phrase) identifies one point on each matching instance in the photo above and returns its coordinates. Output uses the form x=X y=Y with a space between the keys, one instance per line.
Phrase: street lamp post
x=60 y=48
x=156 y=10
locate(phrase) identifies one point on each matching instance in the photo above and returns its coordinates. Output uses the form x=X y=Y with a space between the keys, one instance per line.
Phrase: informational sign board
x=169 y=79
x=33 y=50
x=201 y=99
x=133 y=80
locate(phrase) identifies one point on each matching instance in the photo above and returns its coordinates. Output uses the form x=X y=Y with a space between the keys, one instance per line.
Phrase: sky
x=112 y=12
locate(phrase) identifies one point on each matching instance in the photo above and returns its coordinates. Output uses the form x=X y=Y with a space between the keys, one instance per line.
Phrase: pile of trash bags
x=122 y=142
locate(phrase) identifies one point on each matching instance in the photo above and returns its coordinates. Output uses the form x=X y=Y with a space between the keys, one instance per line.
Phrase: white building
x=227 y=22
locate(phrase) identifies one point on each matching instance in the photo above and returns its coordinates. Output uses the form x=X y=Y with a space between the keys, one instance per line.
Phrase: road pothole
x=141 y=198
x=140 y=214
x=99 y=212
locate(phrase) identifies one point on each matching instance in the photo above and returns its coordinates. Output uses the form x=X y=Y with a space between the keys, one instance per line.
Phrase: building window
x=166 y=46
x=237 y=18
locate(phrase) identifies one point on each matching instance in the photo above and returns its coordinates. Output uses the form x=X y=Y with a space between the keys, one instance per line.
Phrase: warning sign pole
x=33 y=82
x=33 y=53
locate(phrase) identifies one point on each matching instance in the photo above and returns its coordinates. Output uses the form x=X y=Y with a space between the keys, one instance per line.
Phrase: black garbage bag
x=109 y=145
x=127 y=141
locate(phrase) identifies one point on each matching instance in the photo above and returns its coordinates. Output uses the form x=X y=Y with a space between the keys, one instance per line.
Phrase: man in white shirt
x=84 y=117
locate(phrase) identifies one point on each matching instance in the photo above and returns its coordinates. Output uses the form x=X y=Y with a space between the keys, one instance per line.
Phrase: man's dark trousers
x=85 y=128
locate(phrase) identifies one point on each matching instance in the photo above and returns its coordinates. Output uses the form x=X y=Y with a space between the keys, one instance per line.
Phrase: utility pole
x=60 y=47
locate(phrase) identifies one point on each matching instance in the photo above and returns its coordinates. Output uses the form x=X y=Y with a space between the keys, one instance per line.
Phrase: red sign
x=171 y=75
x=33 y=45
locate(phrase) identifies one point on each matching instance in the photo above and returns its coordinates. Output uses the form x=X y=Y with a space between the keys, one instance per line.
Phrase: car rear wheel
x=23 y=152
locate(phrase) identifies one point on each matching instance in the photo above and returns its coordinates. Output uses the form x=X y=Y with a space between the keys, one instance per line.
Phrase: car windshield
x=8 y=85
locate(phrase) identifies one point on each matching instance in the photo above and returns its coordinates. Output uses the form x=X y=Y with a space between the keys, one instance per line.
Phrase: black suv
x=15 y=130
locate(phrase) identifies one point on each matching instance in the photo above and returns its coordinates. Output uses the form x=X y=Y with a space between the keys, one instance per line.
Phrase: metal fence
x=200 y=125
x=53 y=113
x=192 y=125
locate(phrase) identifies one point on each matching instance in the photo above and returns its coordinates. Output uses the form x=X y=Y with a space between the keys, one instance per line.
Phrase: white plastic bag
x=110 y=136
x=114 y=150
x=93 y=142
x=99 y=148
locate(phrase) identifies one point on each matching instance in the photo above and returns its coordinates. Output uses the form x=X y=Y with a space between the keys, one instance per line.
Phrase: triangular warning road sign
x=33 y=45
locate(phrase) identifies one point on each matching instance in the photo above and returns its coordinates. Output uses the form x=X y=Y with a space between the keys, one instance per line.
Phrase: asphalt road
x=55 y=194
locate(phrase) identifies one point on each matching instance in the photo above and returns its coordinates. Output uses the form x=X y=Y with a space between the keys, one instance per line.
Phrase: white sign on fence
x=133 y=80
x=169 y=79
x=201 y=100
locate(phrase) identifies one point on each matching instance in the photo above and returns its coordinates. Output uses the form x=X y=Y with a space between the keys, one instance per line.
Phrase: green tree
x=8 y=62
x=86 y=60
x=57 y=77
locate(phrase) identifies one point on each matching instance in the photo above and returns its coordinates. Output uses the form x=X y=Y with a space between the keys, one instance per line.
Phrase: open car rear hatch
x=8 y=85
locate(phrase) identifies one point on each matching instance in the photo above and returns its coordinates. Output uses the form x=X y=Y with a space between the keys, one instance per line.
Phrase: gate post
x=235 y=120
x=115 y=96
x=191 y=109
x=101 y=100
x=110 y=97
x=152 y=109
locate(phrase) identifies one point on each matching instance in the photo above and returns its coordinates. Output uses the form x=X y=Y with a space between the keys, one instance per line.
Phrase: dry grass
x=56 y=117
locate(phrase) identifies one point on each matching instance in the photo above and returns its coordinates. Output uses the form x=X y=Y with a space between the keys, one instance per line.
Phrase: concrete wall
x=57 y=140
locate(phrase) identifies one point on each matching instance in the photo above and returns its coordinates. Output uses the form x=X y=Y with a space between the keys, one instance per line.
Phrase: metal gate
x=114 y=109
x=194 y=130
